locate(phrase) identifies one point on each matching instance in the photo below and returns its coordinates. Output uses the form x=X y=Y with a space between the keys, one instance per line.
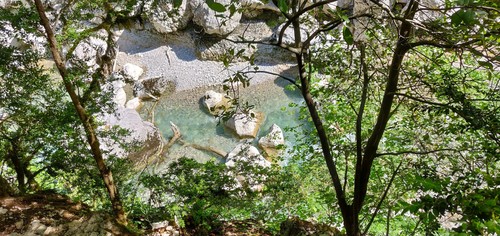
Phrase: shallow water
x=199 y=127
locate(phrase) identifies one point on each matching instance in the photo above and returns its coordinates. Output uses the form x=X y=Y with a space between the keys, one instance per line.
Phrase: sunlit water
x=199 y=127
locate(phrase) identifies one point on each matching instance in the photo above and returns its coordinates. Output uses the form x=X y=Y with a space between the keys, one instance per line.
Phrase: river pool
x=184 y=108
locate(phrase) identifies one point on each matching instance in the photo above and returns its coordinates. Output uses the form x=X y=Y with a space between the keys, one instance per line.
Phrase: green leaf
x=177 y=3
x=346 y=32
x=485 y=64
x=283 y=5
x=216 y=6
x=465 y=17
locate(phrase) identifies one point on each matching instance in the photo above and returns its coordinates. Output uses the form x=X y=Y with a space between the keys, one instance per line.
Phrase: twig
x=292 y=81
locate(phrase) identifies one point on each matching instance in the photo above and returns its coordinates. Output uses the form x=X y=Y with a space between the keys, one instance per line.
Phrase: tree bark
x=86 y=120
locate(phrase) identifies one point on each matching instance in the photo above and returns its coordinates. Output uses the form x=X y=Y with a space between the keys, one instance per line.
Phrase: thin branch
x=281 y=45
x=421 y=100
x=384 y=195
x=417 y=152
x=440 y=45
x=291 y=80
x=297 y=15
x=364 y=95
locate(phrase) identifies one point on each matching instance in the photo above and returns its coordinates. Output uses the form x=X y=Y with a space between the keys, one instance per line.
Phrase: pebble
x=3 y=210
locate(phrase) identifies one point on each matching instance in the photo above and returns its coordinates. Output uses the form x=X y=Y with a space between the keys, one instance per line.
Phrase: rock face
x=272 y=141
x=212 y=24
x=216 y=102
x=88 y=51
x=165 y=18
x=245 y=125
x=20 y=39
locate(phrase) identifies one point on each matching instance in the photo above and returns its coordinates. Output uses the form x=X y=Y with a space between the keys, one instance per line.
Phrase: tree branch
x=441 y=45
x=382 y=198
x=292 y=81
x=281 y=45
x=417 y=152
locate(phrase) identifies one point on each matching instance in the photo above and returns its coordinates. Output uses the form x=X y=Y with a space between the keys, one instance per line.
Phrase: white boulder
x=245 y=125
x=88 y=51
x=131 y=72
x=134 y=103
x=166 y=18
x=245 y=152
x=210 y=20
x=115 y=88
x=142 y=134
x=272 y=141
x=238 y=159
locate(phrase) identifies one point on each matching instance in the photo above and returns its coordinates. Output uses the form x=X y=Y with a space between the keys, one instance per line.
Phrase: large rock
x=237 y=161
x=244 y=152
x=273 y=142
x=165 y=18
x=89 y=51
x=216 y=102
x=210 y=20
x=142 y=134
x=131 y=72
x=216 y=49
x=245 y=125
x=134 y=103
x=117 y=92
x=153 y=87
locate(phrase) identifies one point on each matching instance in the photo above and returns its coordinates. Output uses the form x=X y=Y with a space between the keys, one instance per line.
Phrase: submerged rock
x=245 y=125
x=216 y=102
x=271 y=143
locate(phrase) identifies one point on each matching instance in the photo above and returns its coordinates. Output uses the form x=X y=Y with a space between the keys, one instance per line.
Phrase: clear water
x=185 y=109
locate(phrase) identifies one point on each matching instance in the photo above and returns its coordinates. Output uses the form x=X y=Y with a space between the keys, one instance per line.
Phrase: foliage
x=401 y=103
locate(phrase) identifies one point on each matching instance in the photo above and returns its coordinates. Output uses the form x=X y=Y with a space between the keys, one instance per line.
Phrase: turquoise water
x=198 y=127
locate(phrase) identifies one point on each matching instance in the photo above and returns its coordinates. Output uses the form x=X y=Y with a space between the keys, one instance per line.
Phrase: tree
x=383 y=45
x=70 y=78
x=30 y=101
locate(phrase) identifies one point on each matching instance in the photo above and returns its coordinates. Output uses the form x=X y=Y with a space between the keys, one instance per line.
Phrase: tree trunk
x=13 y=156
x=86 y=120
x=5 y=188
